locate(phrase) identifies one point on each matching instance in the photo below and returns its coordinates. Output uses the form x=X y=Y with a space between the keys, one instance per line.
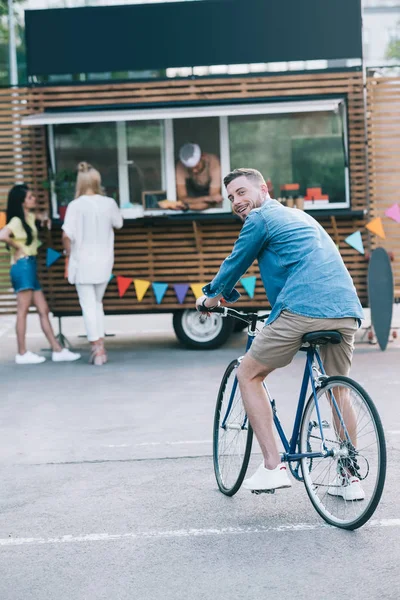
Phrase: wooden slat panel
x=383 y=128
x=168 y=253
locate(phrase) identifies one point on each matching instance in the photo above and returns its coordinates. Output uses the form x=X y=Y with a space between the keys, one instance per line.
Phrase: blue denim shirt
x=301 y=268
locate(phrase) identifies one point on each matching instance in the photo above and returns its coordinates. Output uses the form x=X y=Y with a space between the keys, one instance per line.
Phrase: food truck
x=265 y=104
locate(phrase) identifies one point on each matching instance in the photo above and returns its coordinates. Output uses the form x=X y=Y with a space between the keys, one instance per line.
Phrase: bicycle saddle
x=319 y=338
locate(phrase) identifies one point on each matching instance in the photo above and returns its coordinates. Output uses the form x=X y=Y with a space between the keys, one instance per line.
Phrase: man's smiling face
x=245 y=195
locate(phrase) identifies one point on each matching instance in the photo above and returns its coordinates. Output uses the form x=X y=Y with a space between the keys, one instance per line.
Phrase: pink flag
x=393 y=213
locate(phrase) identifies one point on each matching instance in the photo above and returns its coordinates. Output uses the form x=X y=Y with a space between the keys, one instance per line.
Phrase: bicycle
x=322 y=452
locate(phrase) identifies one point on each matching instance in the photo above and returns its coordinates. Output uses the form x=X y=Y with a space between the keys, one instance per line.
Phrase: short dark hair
x=252 y=174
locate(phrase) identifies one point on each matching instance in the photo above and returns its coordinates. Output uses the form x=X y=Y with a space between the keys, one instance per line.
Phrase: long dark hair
x=16 y=199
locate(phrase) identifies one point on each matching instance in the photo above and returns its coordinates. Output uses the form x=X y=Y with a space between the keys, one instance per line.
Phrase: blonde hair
x=88 y=179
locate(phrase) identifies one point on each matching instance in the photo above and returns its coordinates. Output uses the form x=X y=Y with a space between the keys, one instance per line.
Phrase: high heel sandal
x=103 y=352
x=97 y=357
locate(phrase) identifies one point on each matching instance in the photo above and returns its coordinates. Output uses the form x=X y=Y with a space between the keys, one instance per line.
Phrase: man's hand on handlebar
x=203 y=303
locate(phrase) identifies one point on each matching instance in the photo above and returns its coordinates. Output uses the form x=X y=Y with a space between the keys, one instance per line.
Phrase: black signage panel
x=187 y=34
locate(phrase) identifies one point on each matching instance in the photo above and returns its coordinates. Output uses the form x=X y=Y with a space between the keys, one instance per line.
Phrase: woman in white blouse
x=88 y=239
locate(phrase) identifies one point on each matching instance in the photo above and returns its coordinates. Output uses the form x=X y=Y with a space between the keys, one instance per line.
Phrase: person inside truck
x=198 y=178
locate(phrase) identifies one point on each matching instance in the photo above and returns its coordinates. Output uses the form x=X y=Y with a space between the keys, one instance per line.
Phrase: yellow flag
x=197 y=289
x=375 y=226
x=141 y=287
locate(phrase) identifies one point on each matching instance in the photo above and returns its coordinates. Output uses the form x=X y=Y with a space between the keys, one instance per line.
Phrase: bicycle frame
x=291 y=445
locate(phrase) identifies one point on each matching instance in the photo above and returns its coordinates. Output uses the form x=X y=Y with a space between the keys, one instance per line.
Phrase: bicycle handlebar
x=231 y=312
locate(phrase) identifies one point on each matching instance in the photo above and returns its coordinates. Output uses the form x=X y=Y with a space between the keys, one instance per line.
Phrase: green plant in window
x=64 y=186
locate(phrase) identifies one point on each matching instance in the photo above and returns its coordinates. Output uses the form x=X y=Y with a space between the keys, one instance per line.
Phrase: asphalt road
x=108 y=490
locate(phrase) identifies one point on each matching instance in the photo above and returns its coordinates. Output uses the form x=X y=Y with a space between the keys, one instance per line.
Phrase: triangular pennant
x=123 y=283
x=181 y=289
x=3 y=219
x=111 y=277
x=52 y=256
x=376 y=227
x=355 y=241
x=393 y=212
x=39 y=243
x=249 y=284
x=159 y=290
x=197 y=289
x=141 y=287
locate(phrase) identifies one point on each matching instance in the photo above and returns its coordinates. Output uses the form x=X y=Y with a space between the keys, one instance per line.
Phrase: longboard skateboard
x=381 y=295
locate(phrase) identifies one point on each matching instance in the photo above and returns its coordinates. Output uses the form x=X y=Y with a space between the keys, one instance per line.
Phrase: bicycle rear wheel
x=232 y=436
x=358 y=442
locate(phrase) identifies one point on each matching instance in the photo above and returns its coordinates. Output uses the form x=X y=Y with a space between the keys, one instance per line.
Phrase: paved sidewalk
x=108 y=491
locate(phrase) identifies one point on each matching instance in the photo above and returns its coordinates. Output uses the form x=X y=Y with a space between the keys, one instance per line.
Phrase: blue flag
x=355 y=241
x=249 y=284
x=159 y=290
x=52 y=256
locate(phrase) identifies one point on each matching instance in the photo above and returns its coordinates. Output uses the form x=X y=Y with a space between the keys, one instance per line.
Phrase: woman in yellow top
x=21 y=236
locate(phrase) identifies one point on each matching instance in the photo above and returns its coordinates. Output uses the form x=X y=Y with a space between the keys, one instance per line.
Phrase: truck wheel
x=201 y=336
x=239 y=326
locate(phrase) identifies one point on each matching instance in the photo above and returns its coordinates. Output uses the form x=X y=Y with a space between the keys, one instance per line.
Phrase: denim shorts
x=24 y=275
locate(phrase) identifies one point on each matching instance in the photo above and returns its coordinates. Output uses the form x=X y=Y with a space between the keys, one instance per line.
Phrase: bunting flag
x=123 y=283
x=141 y=287
x=2 y=220
x=111 y=278
x=393 y=213
x=249 y=284
x=197 y=289
x=159 y=290
x=181 y=289
x=376 y=227
x=52 y=256
x=355 y=241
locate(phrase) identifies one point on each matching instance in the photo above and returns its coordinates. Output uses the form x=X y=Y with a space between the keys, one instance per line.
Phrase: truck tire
x=201 y=336
x=239 y=326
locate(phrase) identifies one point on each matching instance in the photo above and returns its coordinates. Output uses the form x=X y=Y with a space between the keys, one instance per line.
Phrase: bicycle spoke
x=231 y=449
x=345 y=488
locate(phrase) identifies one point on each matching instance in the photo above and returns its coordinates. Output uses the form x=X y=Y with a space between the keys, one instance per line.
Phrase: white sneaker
x=268 y=479
x=347 y=487
x=29 y=358
x=65 y=356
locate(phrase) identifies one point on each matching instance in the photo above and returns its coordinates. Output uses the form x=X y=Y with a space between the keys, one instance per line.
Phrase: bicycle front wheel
x=344 y=488
x=232 y=436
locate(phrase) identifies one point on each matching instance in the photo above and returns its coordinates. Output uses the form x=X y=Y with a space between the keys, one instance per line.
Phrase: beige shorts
x=276 y=345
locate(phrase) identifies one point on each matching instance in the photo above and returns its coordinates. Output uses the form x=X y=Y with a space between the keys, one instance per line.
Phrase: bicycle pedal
x=258 y=492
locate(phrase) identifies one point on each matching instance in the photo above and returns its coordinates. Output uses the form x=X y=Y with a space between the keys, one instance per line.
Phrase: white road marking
x=175 y=443
x=181 y=533
x=142 y=444
x=186 y=442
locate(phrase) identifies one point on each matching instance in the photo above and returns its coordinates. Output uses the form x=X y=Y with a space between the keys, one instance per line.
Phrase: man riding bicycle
x=309 y=289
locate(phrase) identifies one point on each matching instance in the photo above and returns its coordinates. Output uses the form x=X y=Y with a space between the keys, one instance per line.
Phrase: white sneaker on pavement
x=29 y=358
x=347 y=487
x=65 y=356
x=268 y=479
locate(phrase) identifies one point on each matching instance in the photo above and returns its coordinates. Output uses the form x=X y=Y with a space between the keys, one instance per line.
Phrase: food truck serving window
x=147 y=157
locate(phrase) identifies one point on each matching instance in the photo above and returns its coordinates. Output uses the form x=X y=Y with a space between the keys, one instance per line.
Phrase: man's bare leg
x=251 y=375
x=342 y=397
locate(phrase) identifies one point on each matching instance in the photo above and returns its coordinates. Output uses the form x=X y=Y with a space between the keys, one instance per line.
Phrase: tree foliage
x=393 y=47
